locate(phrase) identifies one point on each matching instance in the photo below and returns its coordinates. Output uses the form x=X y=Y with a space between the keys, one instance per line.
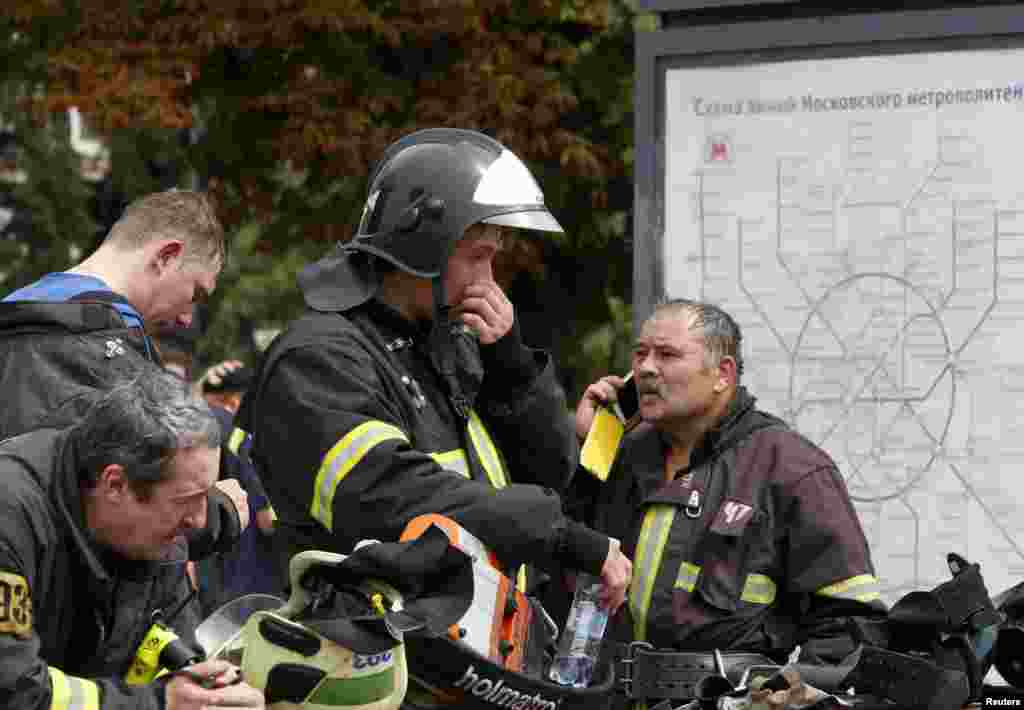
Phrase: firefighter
x=405 y=389
x=742 y=531
x=93 y=523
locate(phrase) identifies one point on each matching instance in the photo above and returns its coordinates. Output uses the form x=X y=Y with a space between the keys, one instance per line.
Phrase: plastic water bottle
x=580 y=643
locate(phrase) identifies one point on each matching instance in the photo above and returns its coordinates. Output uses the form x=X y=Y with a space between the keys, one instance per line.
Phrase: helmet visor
x=541 y=220
x=508 y=183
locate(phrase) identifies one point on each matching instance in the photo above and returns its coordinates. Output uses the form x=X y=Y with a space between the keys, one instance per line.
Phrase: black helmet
x=425 y=191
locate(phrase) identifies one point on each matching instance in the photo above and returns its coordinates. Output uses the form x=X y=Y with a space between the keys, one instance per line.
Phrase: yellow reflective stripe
x=758 y=589
x=71 y=693
x=653 y=534
x=488 y=453
x=61 y=694
x=862 y=588
x=687 y=578
x=236 y=440
x=455 y=460
x=341 y=458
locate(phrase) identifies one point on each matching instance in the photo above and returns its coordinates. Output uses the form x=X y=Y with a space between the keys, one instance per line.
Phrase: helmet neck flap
x=425 y=192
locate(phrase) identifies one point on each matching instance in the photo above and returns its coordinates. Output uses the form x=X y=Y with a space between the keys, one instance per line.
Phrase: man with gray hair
x=93 y=525
x=742 y=530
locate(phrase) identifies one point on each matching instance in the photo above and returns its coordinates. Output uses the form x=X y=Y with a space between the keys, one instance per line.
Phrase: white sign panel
x=863 y=218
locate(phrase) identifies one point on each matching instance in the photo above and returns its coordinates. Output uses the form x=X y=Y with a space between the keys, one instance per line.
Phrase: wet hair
x=141 y=425
x=722 y=335
x=173 y=214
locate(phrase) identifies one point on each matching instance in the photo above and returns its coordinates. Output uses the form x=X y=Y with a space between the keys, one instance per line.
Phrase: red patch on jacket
x=732 y=518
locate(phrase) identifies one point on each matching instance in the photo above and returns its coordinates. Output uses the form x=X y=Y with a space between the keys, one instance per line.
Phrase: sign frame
x=688 y=5
x=747 y=43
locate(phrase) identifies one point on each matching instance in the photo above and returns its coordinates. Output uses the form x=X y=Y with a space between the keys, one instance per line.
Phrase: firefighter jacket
x=55 y=358
x=354 y=435
x=754 y=546
x=72 y=614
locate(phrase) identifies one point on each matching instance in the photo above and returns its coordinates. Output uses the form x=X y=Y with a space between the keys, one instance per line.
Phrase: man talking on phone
x=742 y=531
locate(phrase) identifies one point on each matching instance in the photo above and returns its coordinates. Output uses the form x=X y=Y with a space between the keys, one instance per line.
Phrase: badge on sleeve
x=15 y=605
x=732 y=518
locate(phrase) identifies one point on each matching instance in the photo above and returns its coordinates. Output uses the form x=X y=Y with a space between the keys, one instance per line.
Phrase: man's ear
x=168 y=253
x=112 y=483
x=726 y=373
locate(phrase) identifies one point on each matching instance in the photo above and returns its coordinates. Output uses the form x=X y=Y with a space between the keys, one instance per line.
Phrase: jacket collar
x=74 y=317
x=67 y=499
x=34 y=317
x=389 y=322
x=398 y=332
x=732 y=426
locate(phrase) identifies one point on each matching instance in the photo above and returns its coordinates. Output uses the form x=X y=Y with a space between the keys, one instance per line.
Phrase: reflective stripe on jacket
x=86 y=618
x=754 y=535
x=354 y=435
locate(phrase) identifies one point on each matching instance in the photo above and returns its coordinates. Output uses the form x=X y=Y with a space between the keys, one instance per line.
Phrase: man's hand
x=616 y=575
x=486 y=309
x=215 y=374
x=234 y=491
x=602 y=392
x=221 y=688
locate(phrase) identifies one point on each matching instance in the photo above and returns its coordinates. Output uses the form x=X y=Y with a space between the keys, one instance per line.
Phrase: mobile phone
x=628 y=401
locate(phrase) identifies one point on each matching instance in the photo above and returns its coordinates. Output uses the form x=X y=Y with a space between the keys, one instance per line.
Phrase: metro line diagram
x=870 y=291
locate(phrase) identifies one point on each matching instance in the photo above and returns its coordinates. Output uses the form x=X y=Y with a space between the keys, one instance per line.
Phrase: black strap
x=645 y=672
x=110 y=297
x=911 y=681
x=100 y=296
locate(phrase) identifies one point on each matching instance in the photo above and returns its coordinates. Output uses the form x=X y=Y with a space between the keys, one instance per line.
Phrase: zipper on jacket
x=398 y=344
x=419 y=400
x=101 y=626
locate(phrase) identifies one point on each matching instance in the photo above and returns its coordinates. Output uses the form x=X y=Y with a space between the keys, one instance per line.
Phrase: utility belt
x=911 y=682
x=643 y=672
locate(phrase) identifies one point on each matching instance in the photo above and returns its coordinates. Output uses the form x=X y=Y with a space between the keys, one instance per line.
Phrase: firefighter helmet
x=427 y=189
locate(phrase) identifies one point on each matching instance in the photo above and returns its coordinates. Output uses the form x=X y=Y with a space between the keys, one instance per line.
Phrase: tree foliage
x=287 y=103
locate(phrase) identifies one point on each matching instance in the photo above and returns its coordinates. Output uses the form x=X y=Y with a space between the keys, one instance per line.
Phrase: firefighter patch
x=732 y=518
x=15 y=605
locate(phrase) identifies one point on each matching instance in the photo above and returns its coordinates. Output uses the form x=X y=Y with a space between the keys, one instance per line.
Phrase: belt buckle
x=625 y=679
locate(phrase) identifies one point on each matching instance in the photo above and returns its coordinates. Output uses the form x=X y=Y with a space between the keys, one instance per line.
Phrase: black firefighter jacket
x=754 y=546
x=72 y=616
x=354 y=435
x=55 y=358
